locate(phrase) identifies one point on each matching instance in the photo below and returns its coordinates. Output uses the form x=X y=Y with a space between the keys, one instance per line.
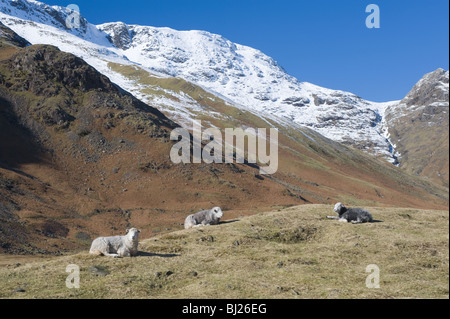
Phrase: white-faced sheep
x=353 y=215
x=117 y=246
x=203 y=218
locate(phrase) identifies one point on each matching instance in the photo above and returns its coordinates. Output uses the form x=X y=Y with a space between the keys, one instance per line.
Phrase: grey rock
x=99 y=271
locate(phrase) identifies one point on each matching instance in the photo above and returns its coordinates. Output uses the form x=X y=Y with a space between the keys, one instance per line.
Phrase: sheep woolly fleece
x=117 y=246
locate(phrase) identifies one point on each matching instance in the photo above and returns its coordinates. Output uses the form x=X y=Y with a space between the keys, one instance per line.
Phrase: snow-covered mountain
x=251 y=79
x=240 y=75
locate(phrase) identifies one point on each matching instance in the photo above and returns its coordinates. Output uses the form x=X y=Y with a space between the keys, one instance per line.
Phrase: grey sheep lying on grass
x=353 y=215
x=117 y=246
x=204 y=218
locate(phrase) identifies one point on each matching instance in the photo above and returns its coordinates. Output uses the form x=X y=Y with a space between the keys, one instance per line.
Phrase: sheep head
x=339 y=208
x=133 y=234
x=218 y=212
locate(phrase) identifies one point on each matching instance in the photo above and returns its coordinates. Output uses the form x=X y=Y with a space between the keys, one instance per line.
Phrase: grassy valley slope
x=289 y=253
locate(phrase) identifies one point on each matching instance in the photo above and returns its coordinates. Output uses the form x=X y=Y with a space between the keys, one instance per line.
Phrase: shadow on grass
x=229 y=221
x=146 y=254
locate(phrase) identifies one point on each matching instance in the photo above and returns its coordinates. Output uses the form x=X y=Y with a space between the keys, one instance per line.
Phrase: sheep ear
x=127 y=231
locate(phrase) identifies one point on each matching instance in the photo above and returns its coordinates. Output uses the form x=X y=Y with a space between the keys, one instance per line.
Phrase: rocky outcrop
x=430 y=90
x=418 y=126
x=10 y=37
x=120 y=35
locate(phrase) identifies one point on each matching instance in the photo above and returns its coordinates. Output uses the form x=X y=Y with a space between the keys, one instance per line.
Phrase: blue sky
x=323 y=42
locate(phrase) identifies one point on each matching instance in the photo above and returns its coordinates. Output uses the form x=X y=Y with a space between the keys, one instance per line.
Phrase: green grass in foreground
x=291 y=253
